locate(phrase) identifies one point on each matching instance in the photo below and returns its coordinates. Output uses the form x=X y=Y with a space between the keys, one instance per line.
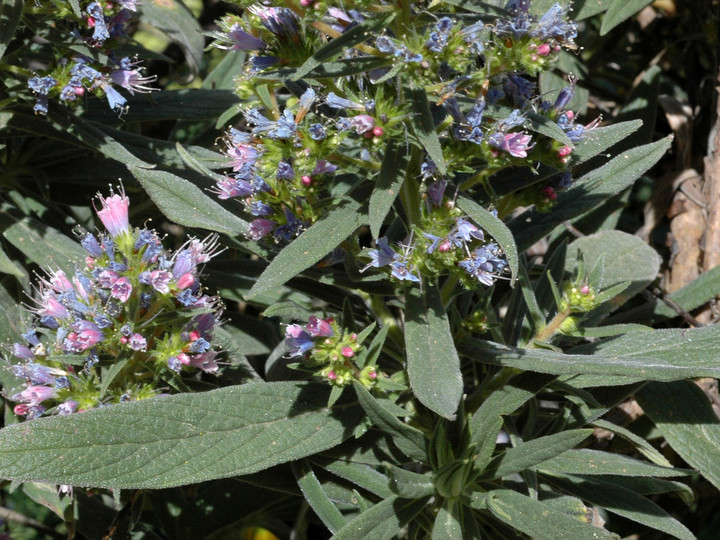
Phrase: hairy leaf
x=177 y=440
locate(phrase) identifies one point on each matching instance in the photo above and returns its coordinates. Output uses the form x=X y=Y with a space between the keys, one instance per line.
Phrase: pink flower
x=347 y=352
x=318 y=327
x=34 y=395
x=114 y=213
x=205 y=361
x=86 y=334
x=137 y=342
x=121 y=289
x=515 y=144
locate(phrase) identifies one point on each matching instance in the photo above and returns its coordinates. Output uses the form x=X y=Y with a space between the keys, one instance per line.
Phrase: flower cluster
x=446 y=242
x=122 y=328
x=77 y=75
x=330 y=350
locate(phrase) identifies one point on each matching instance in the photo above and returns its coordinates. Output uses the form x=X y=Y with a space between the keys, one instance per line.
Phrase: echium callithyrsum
x=324 y=345
x=136 y=313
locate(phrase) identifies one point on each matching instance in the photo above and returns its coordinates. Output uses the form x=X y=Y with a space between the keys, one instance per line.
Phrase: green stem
x=551 y=329
x=410 y=191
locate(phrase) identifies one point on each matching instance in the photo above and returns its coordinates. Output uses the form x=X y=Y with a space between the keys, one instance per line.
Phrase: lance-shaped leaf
x=389 y=181
x=487 y=421
x=178 y=22
x=589 y=192
x=539 y=520
x=619 y=11
x=433 y=363
x=316 y=497
x=424 y=128
x=662 y=355
x=535 y=451
x=177 y=440
x=45 y=246
x=408 y=439
x=183 y=202
x=10 y=14
x=311 y=246
x=383 y=521
x=685 y=417
x=623 y=502
x=496 y=228
x=587 y=461
x=408 y=484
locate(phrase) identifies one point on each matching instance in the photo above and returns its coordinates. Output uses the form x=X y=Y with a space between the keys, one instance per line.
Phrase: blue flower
x=95 y=12
x=382 y=256
x=317 y=132
x=297 y=340
x=554 y=25
x=337 y=102
x=484 y=264
x=400 y=270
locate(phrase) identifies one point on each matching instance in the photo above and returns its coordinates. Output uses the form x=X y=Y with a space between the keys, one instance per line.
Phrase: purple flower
x=385 y=45
x=519 y=89
x=436 y=191
x=362 y=123
x=34 y=395
x=137 y=342
x=22 y=352
x=280 y=21
x=465 y=231
x=297 y=340
x=241 y=154
x=85 y=335
x=285 y=171
x=554 y=25
x=516 y=144
x=68 y=407
x=231 y=187
x=205 y=362
x=242 y=41
x=400 y=270
x=317 y=132
x=97 y=20
x=323 y=167
x=336 y=102
x=260 y=228
x=114 y=212
x=130 y=78
x=484 y=263
x=121 y=289
x=318 y=327
x=382 y=256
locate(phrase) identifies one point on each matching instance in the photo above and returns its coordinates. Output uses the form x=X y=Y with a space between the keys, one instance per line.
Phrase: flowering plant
x=410 y=314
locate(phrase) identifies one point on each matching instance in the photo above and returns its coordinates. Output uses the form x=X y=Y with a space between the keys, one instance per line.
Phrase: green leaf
x=539 y=520
x=582 y=9
x=180 y=25
x=587 y=461
x=195 y=164
x=359 y=474
x=183 y=202
x=632 y=261
x=448 y=522
x=7 y=266
x=432 y=363
x=496 y=228
x=662 y=355
x=619 y=11
x=408 y=484
x=623 y=502
x=340 y=44
x=644 y=447
x=45 y=246
x=534 y=452
x=589 y=192
x=10 y=14
x=316 y=497
x=424 y=128
x=177 y=440
x=487 y=421
x=311 y=246
x=389 y=182
x=683 y=414
x=408 y=439
x=383 y=521
x=186 y=104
